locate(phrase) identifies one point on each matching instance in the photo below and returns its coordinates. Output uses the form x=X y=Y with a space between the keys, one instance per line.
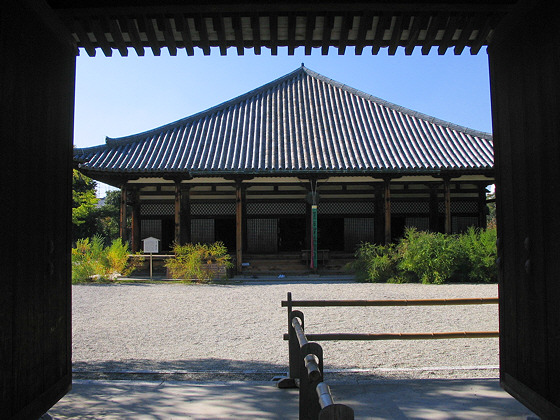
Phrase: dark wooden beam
x=135 y=222
x=434 y=209
x=200 y=25
x=420 y=22
x=239 y=226
x=183 y=26
x=446 y=41
x=310 y=23
x=383 y=22
x=168 y=35
x=328 y=23
x=466 y=32
x=185 y=234
x=129 y=26
x=219 y=27
x=116 y=33
x=123 y=215
x=273 y=27
x=366 y=21
x=447 y=200
x=256 y=28
x=99 y=33
x=395 y=40
x=177 y=212
x=433 y=28
x=387 y=209
x=81 y=32
x=292 y=20
x=148 y=26
x=238 y=31
x=345 y=27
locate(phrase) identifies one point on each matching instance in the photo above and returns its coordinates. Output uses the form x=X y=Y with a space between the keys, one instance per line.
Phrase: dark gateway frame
x=39 y=41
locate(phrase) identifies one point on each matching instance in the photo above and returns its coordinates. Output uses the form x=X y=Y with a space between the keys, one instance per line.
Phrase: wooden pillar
x=37 y=101
x=525 y=106
x=244 y=217
x=387 y=209
x=185 y=231
x=447 y=198
x=135 y=232
x=379 y=217
x=239 y=225
x=434 y=209
x=482 y=206
x=177 y=213
x=123 y=216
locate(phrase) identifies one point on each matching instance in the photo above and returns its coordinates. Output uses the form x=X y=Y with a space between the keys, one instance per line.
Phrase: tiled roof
x=301 y=123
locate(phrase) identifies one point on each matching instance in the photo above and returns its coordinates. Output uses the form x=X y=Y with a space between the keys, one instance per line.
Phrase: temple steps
x=292 y=264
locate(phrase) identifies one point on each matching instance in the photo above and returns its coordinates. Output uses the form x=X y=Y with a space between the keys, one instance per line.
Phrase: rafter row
x=361 y=31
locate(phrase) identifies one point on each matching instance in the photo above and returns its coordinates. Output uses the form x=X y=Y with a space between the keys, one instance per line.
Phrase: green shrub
x=92 y=261
x=479 y=252
x=429 y=257
x=198 y=261
x=375 y=263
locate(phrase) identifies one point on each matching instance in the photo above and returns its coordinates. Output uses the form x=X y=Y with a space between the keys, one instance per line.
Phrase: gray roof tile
x=302 y=122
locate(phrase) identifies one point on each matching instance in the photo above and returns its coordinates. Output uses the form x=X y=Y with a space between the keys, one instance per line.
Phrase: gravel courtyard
x=235 y=331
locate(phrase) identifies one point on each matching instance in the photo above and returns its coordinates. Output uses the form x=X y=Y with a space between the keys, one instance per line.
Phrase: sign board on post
x=151 y=245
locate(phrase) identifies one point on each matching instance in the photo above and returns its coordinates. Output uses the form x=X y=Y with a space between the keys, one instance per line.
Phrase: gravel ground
x=208 y=332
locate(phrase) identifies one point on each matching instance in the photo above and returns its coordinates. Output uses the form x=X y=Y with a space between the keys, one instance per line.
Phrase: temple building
x=256 y=171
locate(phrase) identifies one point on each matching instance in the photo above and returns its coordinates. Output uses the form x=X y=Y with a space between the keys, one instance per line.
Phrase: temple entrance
x=330 y=233
x=224 y=231
x=291 y=234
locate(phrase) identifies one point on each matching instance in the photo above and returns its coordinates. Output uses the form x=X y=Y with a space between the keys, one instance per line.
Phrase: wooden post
x=447 y=194
x=482 y=206
x=177 y=236
x=122 y=215
x=434 y=208
x=314 y=239
x=379 y=218
x=387 y=207
x=309 y=405
x=135 y=232
x=239 y=225
x=185 y=234
x=244 y=216
x=308 y=228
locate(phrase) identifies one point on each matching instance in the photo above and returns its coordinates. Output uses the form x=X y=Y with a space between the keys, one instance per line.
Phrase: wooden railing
x=315 y=399
x=302 y=351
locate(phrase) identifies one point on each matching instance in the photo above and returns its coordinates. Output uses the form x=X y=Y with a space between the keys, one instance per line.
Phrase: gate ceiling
x=366 y=26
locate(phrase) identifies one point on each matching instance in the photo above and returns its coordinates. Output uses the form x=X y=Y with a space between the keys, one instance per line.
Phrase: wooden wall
x=37 y=102
x=525 y=88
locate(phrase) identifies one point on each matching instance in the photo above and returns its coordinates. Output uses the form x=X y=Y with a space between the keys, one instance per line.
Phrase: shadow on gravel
x=210 y=369
x=213 y=369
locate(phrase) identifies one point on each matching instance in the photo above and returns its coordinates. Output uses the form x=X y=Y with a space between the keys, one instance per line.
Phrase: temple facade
x=301 y=163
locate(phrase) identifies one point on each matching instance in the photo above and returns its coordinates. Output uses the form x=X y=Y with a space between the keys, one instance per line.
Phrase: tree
x=84 y=206
x=108 y=217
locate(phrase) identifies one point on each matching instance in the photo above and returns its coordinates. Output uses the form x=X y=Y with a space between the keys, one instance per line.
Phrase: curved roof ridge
x=399 y=108
x=133 y=137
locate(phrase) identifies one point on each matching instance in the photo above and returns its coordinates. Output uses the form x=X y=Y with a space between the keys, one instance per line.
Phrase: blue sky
x=119 y=96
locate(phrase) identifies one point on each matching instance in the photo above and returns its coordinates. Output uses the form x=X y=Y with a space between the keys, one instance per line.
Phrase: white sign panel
x=151 y=245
